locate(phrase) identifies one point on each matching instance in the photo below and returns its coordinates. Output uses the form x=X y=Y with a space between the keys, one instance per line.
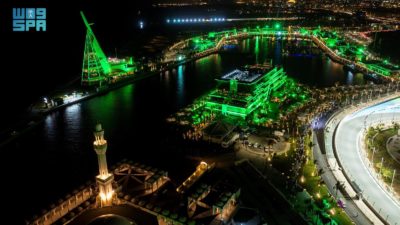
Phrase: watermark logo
x=25 y=19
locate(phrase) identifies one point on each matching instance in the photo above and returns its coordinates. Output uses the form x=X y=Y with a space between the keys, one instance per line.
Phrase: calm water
x=58 y=156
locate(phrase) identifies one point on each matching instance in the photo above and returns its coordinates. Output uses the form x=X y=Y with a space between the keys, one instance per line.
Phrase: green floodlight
x=211 y=34
x=331 y=43
x=303 y=31
x=277 y=26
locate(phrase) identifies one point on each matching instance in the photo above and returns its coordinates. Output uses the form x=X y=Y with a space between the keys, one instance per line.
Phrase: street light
x=394 y=173
x=373 y=153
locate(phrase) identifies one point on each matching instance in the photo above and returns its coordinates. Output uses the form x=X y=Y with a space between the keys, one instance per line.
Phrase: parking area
x=261 y=144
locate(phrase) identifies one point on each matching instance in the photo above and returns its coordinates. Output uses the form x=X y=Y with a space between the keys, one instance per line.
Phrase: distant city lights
x=195 y=20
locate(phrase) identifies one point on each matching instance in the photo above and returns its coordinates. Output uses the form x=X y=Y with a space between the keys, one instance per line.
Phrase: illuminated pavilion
x=240 y=92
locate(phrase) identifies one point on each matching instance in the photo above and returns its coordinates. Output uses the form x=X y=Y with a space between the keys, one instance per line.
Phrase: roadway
x=329 y=178
x=348 y=146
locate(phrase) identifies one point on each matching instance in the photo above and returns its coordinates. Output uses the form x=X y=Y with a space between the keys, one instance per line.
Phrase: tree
x=396 y=126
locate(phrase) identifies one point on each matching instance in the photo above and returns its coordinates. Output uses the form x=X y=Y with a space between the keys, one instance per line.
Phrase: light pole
x=394 y=173
x=373 y=153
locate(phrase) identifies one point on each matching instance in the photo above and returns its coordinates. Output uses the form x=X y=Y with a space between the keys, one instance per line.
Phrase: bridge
x=233 y=34
x=355 y=65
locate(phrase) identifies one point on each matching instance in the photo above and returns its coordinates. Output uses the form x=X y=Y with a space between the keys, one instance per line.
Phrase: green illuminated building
x=96 y=68
x=383 y=68
x=239 y=93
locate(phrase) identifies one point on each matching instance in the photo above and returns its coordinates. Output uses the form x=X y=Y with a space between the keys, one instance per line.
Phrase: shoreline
x=36 y=118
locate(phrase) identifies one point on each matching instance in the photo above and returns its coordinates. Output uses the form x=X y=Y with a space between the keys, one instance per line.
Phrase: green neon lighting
x=379 y=69
x=196 y=40
x=95 y=66
x=233 y=86
x=243 y=98
x=257 y=48
x=331 y=42
x=304 y=31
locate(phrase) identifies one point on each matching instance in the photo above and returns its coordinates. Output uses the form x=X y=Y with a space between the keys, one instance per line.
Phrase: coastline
x=36 y=118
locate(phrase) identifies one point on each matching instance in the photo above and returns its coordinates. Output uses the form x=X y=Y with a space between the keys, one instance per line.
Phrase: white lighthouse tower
x=104 y=179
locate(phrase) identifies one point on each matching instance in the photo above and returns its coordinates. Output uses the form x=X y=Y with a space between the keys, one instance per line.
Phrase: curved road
x=348 y=147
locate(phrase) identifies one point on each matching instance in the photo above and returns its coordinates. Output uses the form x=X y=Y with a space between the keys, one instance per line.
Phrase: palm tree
x=396 y=126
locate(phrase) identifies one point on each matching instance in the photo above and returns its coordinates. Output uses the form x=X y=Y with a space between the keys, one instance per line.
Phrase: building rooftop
x=248 y=74
x=243 y=76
